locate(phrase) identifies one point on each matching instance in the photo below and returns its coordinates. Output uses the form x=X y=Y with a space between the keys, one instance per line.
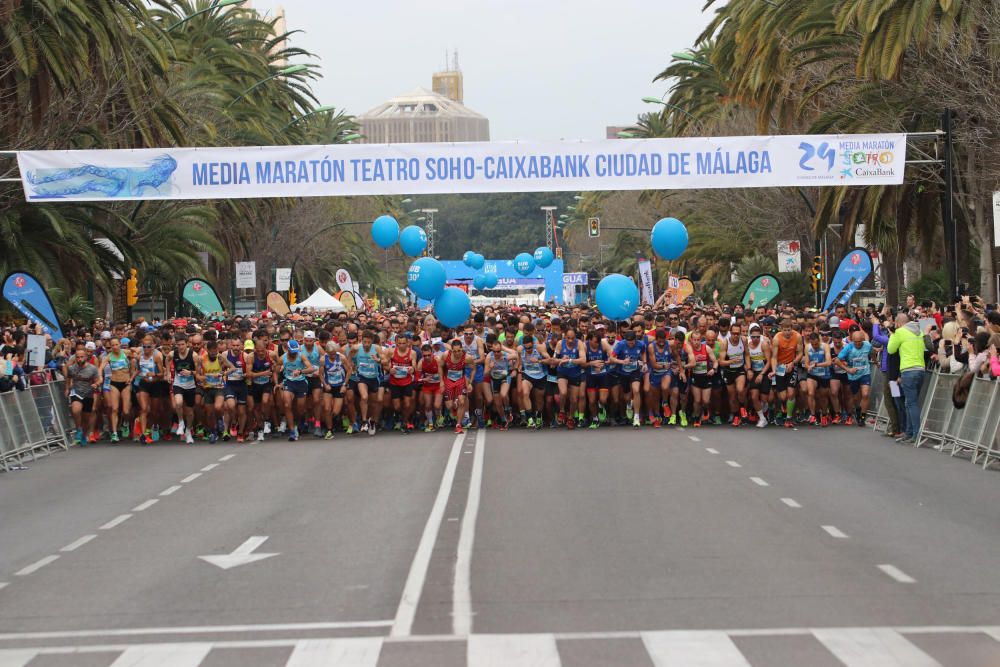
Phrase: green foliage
x=498 y=225
x=932 y=286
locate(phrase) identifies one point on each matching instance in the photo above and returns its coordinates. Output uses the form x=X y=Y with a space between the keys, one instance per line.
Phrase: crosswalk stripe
x=512 y=651
x=693 y=648
x=347 y=652
x=873 y=647
x=16 y=657
x=163 y=655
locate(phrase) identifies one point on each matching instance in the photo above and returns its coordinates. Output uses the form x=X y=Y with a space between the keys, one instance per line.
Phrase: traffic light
x=558 y=253
x=291 y=296
x=132 y=288
x=817 y=273
x=595 y=227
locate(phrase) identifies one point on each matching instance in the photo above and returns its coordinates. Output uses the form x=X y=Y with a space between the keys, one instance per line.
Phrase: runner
x=115 y=367
x=657 y=381
x=629 y=354
x=336 y=368
x=786 y=350
x=856 y=360
x=185 y=369
x=534 y=361
x=400 y=364
x=149 y=371
x=733 y=362
x=456 y=388
x=817 y=363
x=429 y=374
x=572 y=360
x=499 y=368
x=294 y=369
x=759 y=353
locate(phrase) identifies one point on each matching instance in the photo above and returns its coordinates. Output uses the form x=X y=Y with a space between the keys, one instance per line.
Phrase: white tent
x=320 y=300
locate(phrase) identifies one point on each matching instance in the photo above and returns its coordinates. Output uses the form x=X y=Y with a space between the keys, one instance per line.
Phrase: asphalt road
x=716 y=546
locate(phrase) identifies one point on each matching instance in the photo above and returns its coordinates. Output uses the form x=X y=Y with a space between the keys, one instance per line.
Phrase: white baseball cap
x=309 y=335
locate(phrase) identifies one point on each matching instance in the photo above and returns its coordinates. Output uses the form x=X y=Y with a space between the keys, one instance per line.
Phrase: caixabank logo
x=848 y=160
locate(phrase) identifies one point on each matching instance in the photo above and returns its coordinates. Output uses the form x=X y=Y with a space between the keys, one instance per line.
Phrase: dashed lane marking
x=36 y=566
x=897 y=574
x=759 y=481
x=791 y=502
x=117 y=521
x=835 y=532
x=73 y=546
x=167 y=492
x=146 y=505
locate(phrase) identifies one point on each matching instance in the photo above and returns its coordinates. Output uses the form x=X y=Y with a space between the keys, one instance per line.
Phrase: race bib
x=780 y=370
x=454 y=376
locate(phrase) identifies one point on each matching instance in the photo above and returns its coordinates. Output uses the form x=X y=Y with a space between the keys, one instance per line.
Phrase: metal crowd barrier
x=33 y=423
x=972 y=430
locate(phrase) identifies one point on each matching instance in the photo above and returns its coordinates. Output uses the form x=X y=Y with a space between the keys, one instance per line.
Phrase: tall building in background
x=611 y=131
x=449 y=81
x=422 y=115
x=280 y=28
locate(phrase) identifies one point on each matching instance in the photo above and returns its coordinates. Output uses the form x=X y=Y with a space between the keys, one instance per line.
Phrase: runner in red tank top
x=402 y=373
x=429 y=375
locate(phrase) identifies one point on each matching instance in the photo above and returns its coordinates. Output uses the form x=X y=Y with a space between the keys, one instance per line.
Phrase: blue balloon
x=413 y=240
x=467 y=257
x=544 y=257
x=426 y=278
x=479 y=282
x=476 y=261
x=617 y=297
x=491 y=280
x=385 y=231
x=453 y=307
x=524 y=263
x=669 y=238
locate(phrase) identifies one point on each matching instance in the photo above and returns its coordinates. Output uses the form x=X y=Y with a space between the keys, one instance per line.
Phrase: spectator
x=880 y=335
x=909 y=343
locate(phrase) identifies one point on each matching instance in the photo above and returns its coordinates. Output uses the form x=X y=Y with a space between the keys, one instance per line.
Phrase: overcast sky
x=538 y=69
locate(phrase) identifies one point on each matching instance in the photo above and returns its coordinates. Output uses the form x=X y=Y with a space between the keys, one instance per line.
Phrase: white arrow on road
x=241 y=556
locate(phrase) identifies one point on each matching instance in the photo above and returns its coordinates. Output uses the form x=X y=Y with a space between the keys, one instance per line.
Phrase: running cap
x=105 y=335
x=248 y=345
x=90 y=345
x=125 y=340
x=293 y=345
x=309 y=335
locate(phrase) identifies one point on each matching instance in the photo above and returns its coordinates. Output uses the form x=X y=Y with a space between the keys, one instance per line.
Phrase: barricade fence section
x=34 y=421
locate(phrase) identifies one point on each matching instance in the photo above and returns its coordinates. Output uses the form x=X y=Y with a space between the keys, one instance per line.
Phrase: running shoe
x=531 y=422
x=761 y=423
x=293 y=435
x=364 y=427
x=260 y=436
x=189 y=438
x=93 y=438
x=812 y=420
x=155 y=434
x=743 y=412
x=824 y=421
x=459 y=429
x=225 y=436
x=697 y=423
x=656 y=423
x=371 y=427
x=78 y=436
x=147 y=439
x=594 y=424
x=440 y=421
x=684 y=419
x=672 y=421
x=328 y=435
x=717 y=420
x=429 y=428
x=736 y=421
x=849 y=421
x=789 y=424
x=267 y=428
x=283 y=426
x=836 y=418
x=114 y=437
x=636 y=423
x=180 y=428
x=666 y=411
x=212 y=438
x=629 y=413
x=239 y=438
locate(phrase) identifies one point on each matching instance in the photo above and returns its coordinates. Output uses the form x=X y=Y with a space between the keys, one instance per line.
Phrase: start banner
x=429 y=168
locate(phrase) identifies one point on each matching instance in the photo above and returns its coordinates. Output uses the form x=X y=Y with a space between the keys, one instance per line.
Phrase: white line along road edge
x=407 y=609
x=461 y=600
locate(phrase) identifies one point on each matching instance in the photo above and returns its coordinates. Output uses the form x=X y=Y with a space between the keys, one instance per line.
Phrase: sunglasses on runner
x=147 y=347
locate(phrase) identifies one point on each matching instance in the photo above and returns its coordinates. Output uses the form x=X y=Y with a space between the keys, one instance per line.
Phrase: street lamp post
x=212 y=7
x=315 y=111
x=294 y=69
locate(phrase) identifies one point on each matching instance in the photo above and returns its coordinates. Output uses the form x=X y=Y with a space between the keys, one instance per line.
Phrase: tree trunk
x=891 y=276
x=984 y=238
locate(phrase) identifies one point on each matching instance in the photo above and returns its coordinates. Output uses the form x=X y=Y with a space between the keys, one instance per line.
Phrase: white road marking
x=209 y=467
x=348 y=652
x=3 y=585
x=461 y=598
x=993 y=632
x=791 y=502
x=421 y=560
x=241 y=555
x=163 y=655
x=694 y=438
x=733 y=464
x=692 y=647
x=190 y=478
x=167 y=492
x=710 y=450
x=227 y=457
x=146 y=505
x=759 y=481
x=73 y=546
x=36 y=566
x=873 y=647
x=897 y=574
x=17 y=657
x=512 y=651
x=835 y=532
x=195 y=630
x=117 y=521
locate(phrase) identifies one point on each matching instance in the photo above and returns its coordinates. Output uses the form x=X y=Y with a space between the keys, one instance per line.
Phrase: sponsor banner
x=576 y=279
x=276 y=303
x=407 y=169
x=854 y=268
x=789 y=257
x=685 y=288
x=282 y=279
x=646 y=282
x=345 y=281
x=246 y=275
x=25 y=293
x=201 y=295
x=352 y=300
x=551 y=277
x=761 y=291
x=678 y=289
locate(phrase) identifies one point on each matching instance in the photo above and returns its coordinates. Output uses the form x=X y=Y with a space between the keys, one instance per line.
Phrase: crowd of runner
x=251 y=378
